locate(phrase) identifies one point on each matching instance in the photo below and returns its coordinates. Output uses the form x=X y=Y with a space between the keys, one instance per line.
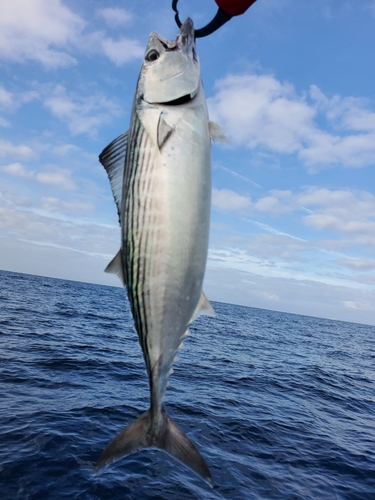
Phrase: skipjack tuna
x=160 y=175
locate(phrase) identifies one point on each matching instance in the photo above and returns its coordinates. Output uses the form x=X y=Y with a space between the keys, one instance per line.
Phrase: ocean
x=281 y=406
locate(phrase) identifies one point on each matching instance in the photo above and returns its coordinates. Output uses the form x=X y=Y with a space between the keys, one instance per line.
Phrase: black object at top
x=216 y=23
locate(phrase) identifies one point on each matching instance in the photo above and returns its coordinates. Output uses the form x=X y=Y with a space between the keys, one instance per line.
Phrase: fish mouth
x=181 y=100
x=175 y=102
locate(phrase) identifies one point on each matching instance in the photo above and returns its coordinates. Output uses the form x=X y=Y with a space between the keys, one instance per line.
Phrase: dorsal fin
x=113 y=160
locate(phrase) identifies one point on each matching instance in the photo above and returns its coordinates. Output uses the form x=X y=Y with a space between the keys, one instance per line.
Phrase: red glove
x=234 y=7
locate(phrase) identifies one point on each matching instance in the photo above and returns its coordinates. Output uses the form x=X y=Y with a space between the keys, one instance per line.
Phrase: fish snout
x=186 y=36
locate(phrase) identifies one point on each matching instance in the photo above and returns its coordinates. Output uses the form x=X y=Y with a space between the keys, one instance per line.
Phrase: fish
x=160 y=176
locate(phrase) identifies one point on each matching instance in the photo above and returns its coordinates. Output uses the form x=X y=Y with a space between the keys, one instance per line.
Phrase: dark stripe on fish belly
x=140 y=279
x=146 y=184
x=129 y=191
x=136 y=263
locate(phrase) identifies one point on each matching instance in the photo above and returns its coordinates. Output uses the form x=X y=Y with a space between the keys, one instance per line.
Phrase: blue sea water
x=281 y=406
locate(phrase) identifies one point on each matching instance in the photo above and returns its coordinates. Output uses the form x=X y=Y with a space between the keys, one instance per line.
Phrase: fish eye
x=152 y=55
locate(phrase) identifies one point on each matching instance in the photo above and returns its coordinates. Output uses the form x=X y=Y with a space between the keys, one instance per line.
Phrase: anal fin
x=203 y=307
x=115 y=267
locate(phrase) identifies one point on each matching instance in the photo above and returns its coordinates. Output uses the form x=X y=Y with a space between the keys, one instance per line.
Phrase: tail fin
x=165 y=435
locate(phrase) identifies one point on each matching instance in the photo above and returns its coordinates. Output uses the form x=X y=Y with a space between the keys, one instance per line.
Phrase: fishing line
x=227 y=9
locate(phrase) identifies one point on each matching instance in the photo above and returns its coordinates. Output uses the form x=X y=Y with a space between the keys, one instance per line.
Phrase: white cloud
x=269 y=296
x=115 y=16
x=51 y=204
x=17 y=169
x=277 y=202
x=351 y=305
x=4 y=123
x=35 y=237
x=348 y=113
x=271 y=252
x=349 y=151
x=37 y=30
x=6 y=97
x=348 y=212
x=227 y=200
x=47 y=31
x=49 y=244
x=122 y=50
x=49 y=225
x=280 y=246
x=365 y=230
x=52 y=175
x=301 y=296
x=343 y=211
x=356 y=263
x=11 y=100
x=119 y=51
x=258 y=111
x=20 y=151
x=56 y=176
x=65 y=149
x=83 y=114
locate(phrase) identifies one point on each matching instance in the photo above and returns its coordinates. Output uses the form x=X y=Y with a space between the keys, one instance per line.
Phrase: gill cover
x=171 y=68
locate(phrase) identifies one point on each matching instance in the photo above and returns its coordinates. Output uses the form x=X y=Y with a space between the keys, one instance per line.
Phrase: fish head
x=170 y=70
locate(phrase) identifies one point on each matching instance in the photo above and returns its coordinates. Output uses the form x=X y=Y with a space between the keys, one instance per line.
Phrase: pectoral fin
x=217 y=133
x=164 y=130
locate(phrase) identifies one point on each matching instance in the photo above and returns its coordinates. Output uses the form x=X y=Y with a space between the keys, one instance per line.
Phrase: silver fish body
x=160 y=174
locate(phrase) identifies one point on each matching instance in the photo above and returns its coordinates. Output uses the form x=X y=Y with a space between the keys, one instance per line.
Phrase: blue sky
x=293 y=204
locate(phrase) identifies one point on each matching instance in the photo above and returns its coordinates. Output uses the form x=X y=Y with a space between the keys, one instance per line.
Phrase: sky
x=292 y=82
